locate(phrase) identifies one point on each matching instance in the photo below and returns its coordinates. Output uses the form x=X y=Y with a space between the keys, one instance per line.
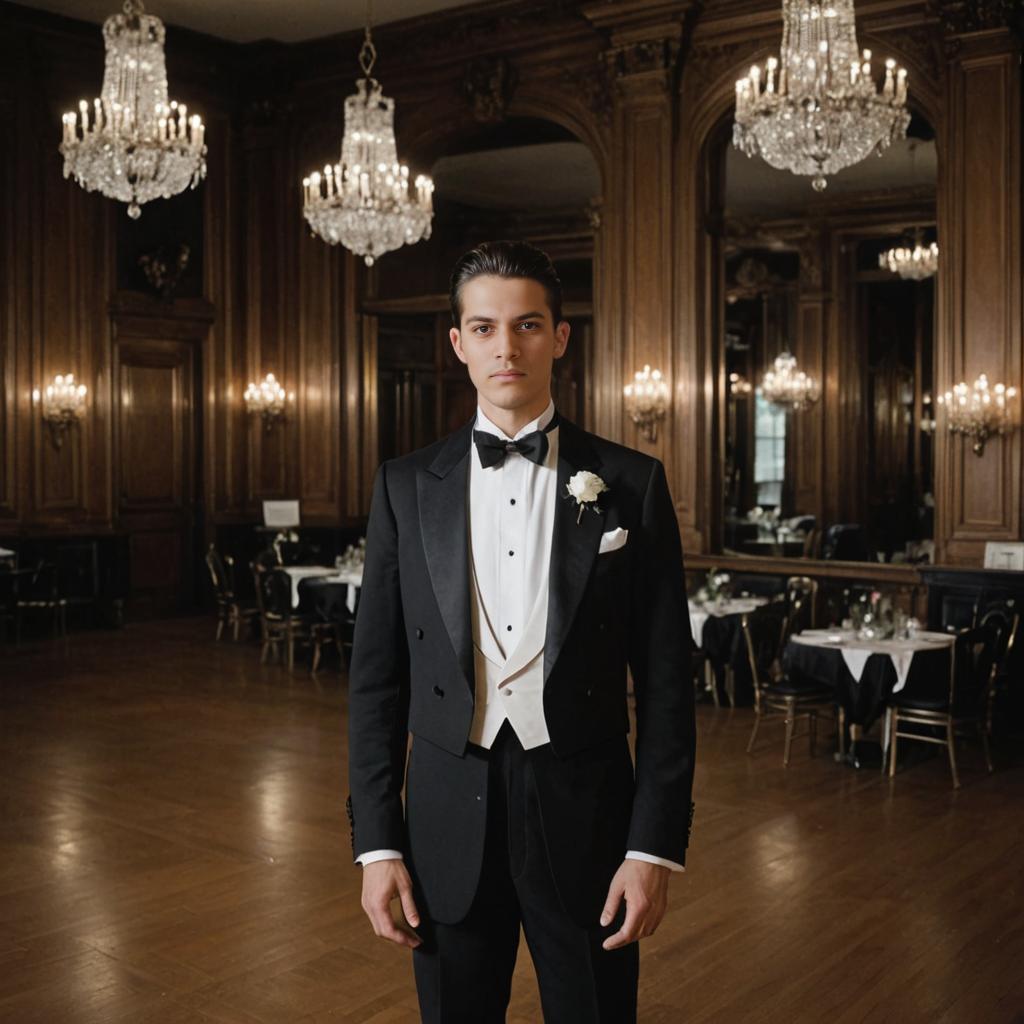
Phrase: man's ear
x=456 y=339
x=561 y=338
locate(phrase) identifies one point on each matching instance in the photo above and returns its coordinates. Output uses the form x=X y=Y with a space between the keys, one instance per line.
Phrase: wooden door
x=155 y=459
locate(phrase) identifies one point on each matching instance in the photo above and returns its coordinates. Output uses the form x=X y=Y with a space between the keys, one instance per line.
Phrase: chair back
x=975 y=662
x=1003 y=616
x=273 y=592
x=218 y=574
x=763 y=634
x=801 y=597
x=846 y=542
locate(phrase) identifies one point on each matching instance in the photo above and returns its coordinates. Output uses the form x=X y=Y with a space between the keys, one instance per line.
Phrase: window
x=769 y=450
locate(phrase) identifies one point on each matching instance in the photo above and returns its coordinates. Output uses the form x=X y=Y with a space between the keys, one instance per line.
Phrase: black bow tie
x=532 y=446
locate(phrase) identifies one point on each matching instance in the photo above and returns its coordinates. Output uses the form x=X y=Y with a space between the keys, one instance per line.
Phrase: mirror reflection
x=826 y=306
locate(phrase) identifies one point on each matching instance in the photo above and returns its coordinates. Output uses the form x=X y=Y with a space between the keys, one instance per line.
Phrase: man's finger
x=412 y=915
x=611 y=904
x=630 y=930
x=386 y=928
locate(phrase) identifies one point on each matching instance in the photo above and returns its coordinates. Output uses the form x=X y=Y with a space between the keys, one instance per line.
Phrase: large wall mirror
x=799 y=274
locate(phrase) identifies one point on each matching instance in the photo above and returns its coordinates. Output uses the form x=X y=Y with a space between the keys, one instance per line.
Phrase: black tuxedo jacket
x=412 y=672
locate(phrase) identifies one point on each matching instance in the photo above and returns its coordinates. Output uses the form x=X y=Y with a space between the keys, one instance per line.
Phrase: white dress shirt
x=511 y=522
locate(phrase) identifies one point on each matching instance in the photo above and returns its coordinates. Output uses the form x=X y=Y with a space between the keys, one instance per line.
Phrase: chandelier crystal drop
x=911 y=263
x=364 y=202
x=133 y=144
x=816 y=108
x=787 y=386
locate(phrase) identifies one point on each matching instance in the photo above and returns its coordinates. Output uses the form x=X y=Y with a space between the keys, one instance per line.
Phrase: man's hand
x=383 y=881
x=645 y=889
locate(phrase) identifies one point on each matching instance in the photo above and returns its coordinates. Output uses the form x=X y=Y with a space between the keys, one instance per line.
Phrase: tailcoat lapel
x=443 y=493
x=574 y=545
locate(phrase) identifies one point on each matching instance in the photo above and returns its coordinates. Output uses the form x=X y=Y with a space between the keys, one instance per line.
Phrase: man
x=513 y=571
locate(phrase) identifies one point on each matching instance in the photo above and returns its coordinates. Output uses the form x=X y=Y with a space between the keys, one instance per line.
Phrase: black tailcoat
x=412 y=672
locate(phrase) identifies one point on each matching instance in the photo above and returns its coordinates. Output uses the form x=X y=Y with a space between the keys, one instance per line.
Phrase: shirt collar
x=483 y=423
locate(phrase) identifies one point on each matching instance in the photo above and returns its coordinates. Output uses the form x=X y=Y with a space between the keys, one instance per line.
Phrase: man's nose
x=508 y=344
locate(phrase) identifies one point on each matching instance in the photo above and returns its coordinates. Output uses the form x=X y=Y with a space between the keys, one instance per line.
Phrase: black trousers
x=464 y=971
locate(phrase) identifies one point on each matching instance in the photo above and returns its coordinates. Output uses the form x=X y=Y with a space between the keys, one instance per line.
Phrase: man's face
x=507 y=340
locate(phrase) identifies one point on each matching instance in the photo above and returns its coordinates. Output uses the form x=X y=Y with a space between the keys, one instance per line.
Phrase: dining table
x=715 y=626
x=865 y=671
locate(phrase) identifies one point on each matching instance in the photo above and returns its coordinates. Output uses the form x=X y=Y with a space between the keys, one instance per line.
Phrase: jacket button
x=589 y=692
x=419 y=633
x=602 y=626
x=438 y=692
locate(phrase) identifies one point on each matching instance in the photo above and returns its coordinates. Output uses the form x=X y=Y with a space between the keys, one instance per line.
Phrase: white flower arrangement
x=585 y=487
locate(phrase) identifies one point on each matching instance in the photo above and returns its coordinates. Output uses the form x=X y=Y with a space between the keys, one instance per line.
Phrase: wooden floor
x=173 y=848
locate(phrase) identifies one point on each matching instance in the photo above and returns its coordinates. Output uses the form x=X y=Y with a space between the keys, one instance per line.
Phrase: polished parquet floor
x=173 y=848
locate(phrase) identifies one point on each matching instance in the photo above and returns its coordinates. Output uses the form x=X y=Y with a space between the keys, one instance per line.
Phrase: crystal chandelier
x=63 y=404
x=979 y=412
x=787 y=386
x=135 y=145
x=739 y=386
x=363 y=202
x=914 y=264
x=817 y=109
x=647 y=400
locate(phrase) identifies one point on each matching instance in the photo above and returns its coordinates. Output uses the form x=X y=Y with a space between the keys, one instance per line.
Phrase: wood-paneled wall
x=646 y=84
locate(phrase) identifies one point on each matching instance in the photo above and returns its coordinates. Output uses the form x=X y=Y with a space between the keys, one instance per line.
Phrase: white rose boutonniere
x=585 y=486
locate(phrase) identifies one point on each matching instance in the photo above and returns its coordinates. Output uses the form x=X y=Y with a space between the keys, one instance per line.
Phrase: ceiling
x=246 y=21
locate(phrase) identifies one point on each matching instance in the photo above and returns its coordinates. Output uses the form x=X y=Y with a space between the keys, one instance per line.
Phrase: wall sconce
x=788 y=386
x=739 y=386
x=267 y=399
x=979 y=412
x=63 y=405
x=927 y=423
x=647 y=401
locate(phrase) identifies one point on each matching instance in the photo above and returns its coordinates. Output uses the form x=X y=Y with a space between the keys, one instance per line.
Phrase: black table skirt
x=864 y=701
x=325 y=599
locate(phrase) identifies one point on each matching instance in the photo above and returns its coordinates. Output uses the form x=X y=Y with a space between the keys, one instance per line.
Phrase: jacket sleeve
x=378 y=688
x=660 y=644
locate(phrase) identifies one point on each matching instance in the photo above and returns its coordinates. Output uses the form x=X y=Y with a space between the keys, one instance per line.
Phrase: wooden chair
x=1004 y=616
x=39 y=591
x=231 y=612
x=951 y=704
x=775 y=694
x=801 y=598
x=278 y=622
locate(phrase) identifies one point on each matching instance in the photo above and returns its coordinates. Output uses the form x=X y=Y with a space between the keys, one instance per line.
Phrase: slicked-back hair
x=510 y=260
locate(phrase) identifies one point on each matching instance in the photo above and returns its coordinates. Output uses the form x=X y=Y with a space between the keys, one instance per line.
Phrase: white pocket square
x=613 y=540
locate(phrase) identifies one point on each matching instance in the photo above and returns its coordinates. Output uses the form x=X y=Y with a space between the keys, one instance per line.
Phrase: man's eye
x=529 y=325
x=481 y=329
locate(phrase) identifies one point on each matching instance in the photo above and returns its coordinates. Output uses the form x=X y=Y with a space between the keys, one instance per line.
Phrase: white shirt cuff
x=372 y=856
x=651 y=859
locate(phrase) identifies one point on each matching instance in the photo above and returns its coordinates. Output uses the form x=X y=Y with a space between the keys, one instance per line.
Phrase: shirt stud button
x=511 y=553
x=511 y=501
x=509 y=628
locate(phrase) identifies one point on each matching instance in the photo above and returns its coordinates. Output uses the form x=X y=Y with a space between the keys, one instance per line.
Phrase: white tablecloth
x=297 y=573
x=354 y=579
x=699 y=614
x=856 y=652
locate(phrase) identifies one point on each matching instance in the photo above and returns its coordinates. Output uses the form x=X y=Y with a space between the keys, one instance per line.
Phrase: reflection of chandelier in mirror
x=818 y=109
x=927 y=423
x=739 y=386
x=979 y=412
x=63 y=404
x=912 y=263
x=267 y=399
x=137 y=146
x=647 y=400
x=787 y=386
x=363 y=202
